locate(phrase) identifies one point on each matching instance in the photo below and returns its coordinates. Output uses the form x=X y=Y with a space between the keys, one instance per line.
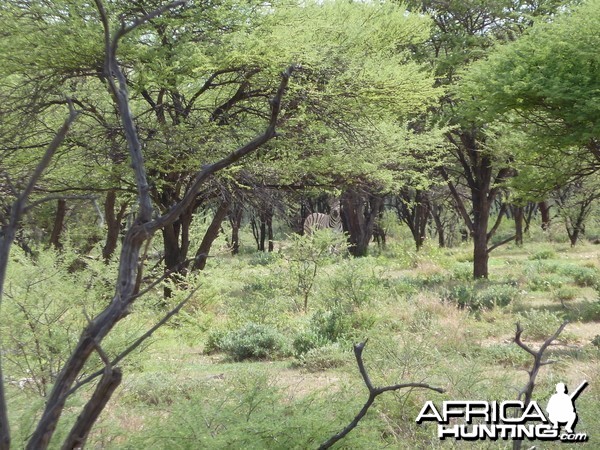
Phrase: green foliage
x=356 y=282
x=251 y=411
x=583 y=276
x=252 y=341
x=507 y=355
x=481 y=295
x=325 y=357
x=38 y=326
x=307 y=255
x=541 y=254
x=539 y=325
x=586 y=311
x=550 y=74
x=566 y=293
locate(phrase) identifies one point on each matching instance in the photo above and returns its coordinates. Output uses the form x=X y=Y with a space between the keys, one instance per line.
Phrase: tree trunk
x=263 y=235
x=86 y=420
x=209 y=237
x=269 y=221
x=235 y=218
x=412 y=207
x=176 y=245
x=518 y=214
x=436 y=213
x=113 y=223
x=59 y=222
x=360 y=212
x=545 y=212
x=478 y=168
x=480 y=251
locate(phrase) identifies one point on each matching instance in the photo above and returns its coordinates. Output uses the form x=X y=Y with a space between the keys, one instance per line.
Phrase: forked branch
x=373 y=393
x=538 y=362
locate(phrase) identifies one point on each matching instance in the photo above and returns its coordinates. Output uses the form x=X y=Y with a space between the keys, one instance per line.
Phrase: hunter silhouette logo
x=511 y=419
x=561 y=406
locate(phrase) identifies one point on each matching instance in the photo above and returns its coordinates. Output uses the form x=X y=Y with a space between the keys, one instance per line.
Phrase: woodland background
x=157 y=162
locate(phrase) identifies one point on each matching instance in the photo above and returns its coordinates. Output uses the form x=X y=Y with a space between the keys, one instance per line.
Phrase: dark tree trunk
x=545 y=212
x=574 y=236
x=59 y=223
x=518 y=213
x=176 y=241
x=360 y=212
x=113 y=223
x=436 y=213
x=92 y=410
x=575 y=228
x=378 y=231
x=235 y=219
x=264 y=230
x=530 y=210
x=263 y=235
x=477 y=167
x=209 y=237
x=412 y=207
x=481 y=215
x=269 y=221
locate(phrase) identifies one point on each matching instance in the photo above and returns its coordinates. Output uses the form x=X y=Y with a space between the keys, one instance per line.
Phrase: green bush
x=307 y=340
x=584 y=276
x=263 y=258
x=539 y=325
x=566 y=293
x=355 y=281
x=479 y=295
x=326 y=357
x=214 y=342
x=253 y=341
x=506 y=354
x=332 y=325
x=586 y=311
x=545 y=253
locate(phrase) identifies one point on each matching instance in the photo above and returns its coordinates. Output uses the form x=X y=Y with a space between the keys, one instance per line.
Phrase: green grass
x=297 y=382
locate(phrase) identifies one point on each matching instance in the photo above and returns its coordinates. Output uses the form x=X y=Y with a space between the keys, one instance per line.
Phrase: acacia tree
x=144 y=226
x=464 y=32
x=545 y=85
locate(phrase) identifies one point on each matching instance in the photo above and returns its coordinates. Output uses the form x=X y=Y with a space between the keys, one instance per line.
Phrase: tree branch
x=527 y=390
x=373 y=393
x=501 y=243
x=233 y=157
x=7 y=237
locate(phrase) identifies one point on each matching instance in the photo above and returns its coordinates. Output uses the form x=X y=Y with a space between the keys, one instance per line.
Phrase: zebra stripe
x=319 y=221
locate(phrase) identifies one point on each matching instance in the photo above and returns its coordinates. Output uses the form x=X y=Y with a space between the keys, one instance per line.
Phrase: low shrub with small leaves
x=584 y=276
x=539 y=325
x=329 y=356
x=253 y=341
x=479 y=295
x=307 y=340
x=566 y=293
x=545 y=253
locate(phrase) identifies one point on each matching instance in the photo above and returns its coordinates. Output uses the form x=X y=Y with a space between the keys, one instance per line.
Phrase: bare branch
x=104 y=390
x=501 y=243
x=230 y=159
x=527 y=390
x=373 y=393
x=50 y=198
x=125 y=29
x=137 y=342
x=7 y=238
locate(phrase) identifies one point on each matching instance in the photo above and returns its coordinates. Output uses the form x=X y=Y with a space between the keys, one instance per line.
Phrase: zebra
x=319 y=221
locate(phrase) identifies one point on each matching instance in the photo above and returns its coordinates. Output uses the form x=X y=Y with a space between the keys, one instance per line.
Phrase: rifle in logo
x=561 y=406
